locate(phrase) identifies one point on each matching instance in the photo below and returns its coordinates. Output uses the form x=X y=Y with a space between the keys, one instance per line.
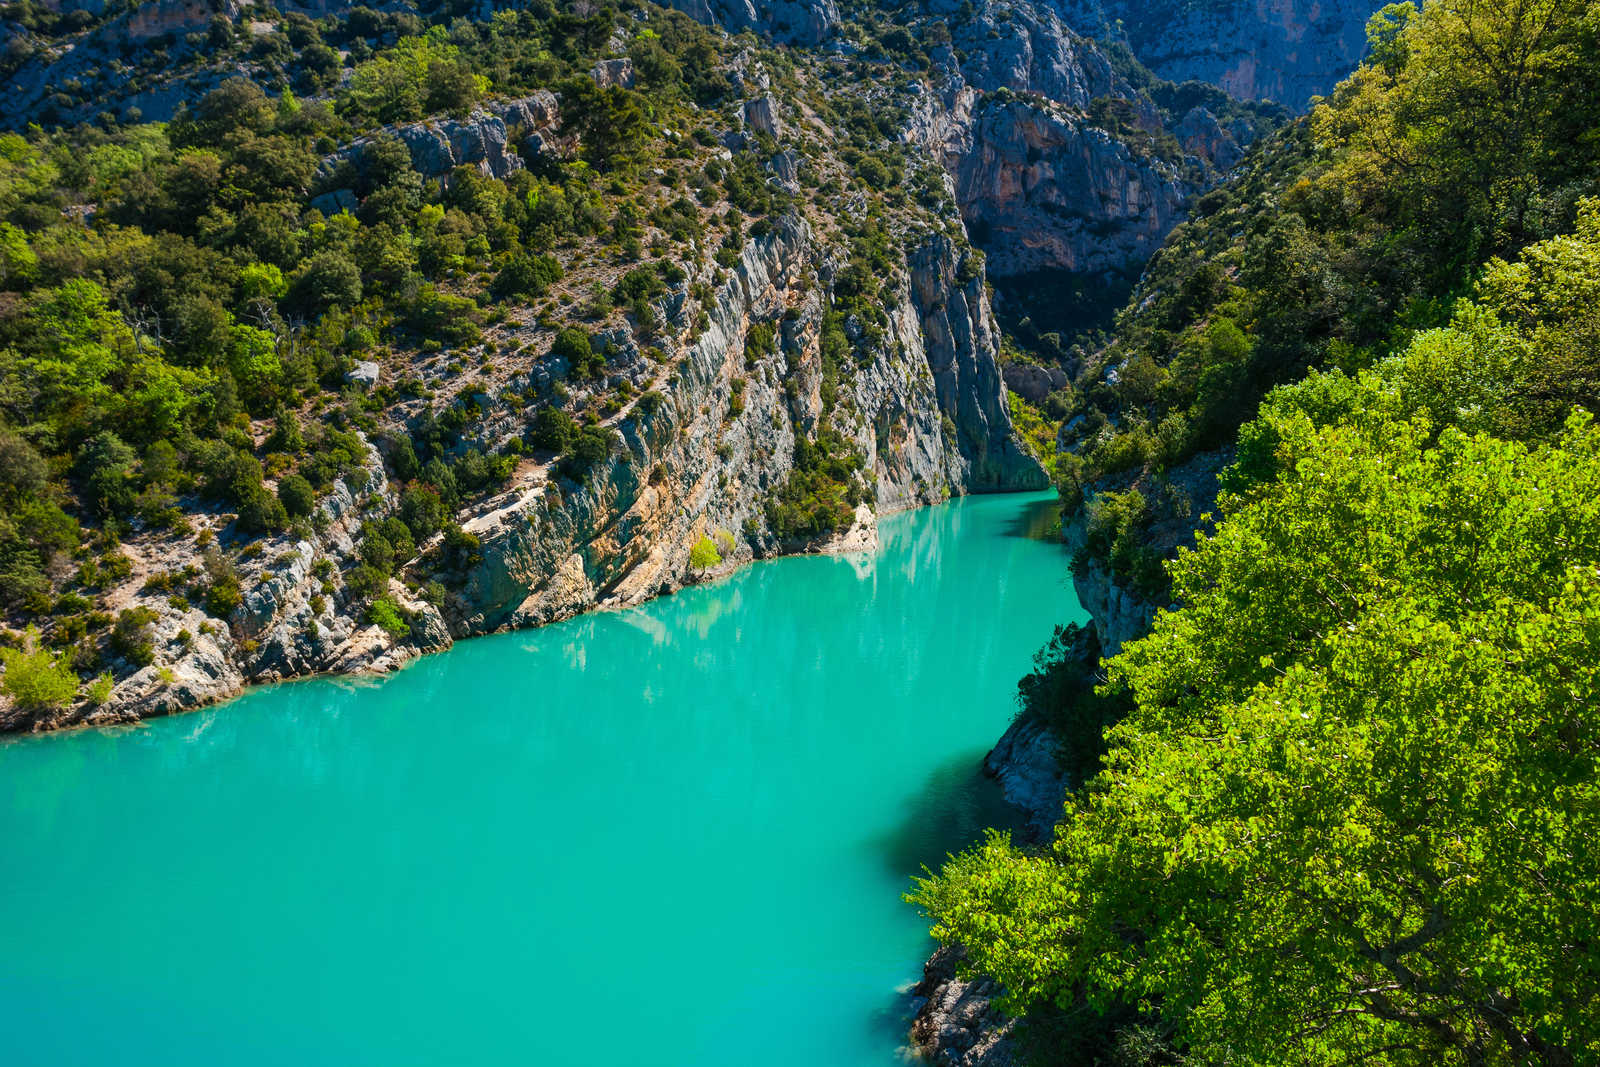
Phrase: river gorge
x=674 y=834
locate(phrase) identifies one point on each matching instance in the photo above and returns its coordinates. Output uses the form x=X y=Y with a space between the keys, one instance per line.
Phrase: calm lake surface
x=675 y=835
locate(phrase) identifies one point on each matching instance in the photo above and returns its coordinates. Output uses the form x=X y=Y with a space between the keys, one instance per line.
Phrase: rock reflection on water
x=1039 y=521
x=730 y=786
x=948 y=814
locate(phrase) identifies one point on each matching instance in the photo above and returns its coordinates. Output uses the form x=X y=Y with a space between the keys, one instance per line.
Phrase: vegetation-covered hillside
x=271 y=272
x=1350 y=813
x=422 y=233
x=1470 y=133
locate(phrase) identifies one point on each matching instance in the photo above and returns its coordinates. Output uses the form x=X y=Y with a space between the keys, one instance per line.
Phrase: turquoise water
x=669 y=836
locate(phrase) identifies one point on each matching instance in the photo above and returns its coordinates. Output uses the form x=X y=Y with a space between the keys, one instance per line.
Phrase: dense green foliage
x=1470 y=134
x=1350 y=813
x=36 y=679
x=1352 y=809
x=821 y=493
x=177 y=319
x=703 y=554
x=1062 y=692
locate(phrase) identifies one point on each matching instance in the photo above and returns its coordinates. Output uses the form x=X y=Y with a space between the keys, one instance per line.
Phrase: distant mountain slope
x=1282 y=50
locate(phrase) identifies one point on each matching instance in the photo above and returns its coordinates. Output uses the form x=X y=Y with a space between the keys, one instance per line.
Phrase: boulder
x=363 y=374
x=1202 y=135
x=761 y=115
x=613 y=72
x=338 y=201
x=1033 y=383
x=785 y=166
x=533 y=112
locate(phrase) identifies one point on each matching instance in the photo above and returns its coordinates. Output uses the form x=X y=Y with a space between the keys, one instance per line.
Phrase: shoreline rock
x=959 y=1024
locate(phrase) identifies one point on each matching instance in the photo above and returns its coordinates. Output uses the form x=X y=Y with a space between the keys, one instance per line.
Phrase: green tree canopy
x=703 y=554
x=1352 y=812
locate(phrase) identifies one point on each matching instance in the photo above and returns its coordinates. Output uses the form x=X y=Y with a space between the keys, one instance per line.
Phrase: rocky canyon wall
x=1282 y=50
x=923 y=405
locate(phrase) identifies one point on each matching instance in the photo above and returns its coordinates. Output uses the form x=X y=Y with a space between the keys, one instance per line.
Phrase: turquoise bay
x=675 y=835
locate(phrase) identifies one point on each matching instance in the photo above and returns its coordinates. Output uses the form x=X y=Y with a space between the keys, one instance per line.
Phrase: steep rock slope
x=805 y=348
x=921 y=402
x=1282 y=50
x=926 y=412
x=689 y=470
x=1059 y=161
x=1042 y=189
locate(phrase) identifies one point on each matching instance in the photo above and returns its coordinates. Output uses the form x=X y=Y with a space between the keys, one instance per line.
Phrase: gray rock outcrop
x=1033 y=383
x=613 y=72
x=1282 y=50
x=175 y=16
x=438 y=146
x=958 y=1023
x=538 y=110
x=363 y=375
x=1026 y=48
x=1024 y=762
x=961 y=344
x=761 y=115
x=1201 y=134
x=1041 y=188
x=802 y=22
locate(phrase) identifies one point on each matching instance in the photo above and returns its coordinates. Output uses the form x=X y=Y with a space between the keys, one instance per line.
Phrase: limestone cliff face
x=961 y=349
x=1023 y=47
x=285 y=626
x=1041 y=188
x=1282 y=50
x=1038 y=184
x=923 y=405
x=689 y=468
